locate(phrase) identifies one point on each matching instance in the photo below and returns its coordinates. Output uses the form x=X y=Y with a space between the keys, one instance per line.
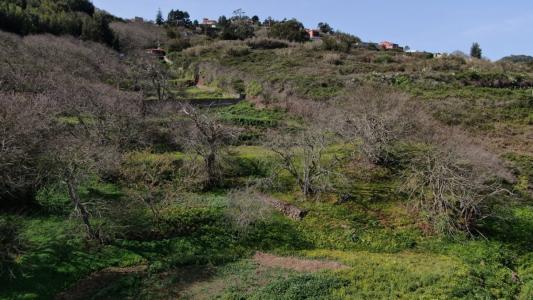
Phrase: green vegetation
x=348 y=172
x=245 y=114
x=290 y=30
x=75 y=17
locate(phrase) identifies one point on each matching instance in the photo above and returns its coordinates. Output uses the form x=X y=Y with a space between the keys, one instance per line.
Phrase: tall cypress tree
x=476 y=51
x=159 y=18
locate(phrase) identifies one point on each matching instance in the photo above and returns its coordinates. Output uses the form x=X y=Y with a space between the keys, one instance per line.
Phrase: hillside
x=253 y=163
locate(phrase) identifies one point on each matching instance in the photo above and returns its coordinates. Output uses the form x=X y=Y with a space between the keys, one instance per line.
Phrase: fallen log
x=288 y=210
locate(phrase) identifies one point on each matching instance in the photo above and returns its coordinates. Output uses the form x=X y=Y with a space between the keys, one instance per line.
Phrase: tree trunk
x=159 y=96
x=211 y=169
x=76 y=201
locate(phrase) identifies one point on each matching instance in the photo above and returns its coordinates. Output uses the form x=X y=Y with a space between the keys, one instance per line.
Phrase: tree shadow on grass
x=47 y=270
x=280 y=234
x=512 y=226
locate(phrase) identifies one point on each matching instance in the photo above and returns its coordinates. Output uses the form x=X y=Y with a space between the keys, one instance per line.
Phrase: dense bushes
x=237 y=30
x=178 y=44
x=53 y=102
x=74 y=17
x=291 y=30
x=341 y=42
x=237 y=51
x=494 y=80
x=138 y=36
x=23 y=124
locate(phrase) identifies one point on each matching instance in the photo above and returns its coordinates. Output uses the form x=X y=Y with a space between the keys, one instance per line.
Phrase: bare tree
x=378 y=120
x=152 y=183
x=71 y=160
x=208 y=138
x=24 y=122
x=136 y=37
x=158 y=75
x=449 y=191
x=92 y=127
x=303 y=155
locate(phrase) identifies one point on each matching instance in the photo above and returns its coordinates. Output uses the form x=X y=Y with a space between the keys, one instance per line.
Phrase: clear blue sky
x=502 y=27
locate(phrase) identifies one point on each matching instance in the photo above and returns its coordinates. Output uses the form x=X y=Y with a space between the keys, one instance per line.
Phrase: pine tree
x=159 y=18
x=475 y=51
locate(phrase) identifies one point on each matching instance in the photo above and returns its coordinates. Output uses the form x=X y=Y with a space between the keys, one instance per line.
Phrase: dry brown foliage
x=134 y=37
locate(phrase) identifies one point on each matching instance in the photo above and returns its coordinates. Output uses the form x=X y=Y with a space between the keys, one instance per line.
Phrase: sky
x=501 y=27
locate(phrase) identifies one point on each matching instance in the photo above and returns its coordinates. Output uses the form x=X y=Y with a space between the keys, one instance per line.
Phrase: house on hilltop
x=209 y=22
x=386 y=45
x=314 y=34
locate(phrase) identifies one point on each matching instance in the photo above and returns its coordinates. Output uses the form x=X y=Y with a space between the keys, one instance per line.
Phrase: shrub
x=237 y=31
x=379 y=124
x=238 y=85
x=450 y=194
x=384 y=59
x=341 y=42
x=237 y=51
x=54 y=199
x=254 y=88
x=178 y=44
x=197 y=51
x=526 y=273
x=265 y=43
x=246 y=208
x=333 y=58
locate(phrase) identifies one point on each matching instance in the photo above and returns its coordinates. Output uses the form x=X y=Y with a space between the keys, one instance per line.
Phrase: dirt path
x=296 y=264
x=97 y=281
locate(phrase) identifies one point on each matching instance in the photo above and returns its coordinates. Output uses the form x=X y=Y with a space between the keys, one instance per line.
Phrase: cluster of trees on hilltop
x=74 y=17
x=518 y=59
x=240 y=26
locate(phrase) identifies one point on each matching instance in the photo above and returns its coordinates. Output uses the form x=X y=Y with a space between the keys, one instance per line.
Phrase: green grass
x=388 y=256
x=150 y=157
x=205 y=93
x=246 y=114
x=302 y=286
x=524 y=168
x=55 y=257
x=407 y=275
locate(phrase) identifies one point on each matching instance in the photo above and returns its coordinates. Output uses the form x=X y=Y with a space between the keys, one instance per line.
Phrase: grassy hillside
x=411 y=175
